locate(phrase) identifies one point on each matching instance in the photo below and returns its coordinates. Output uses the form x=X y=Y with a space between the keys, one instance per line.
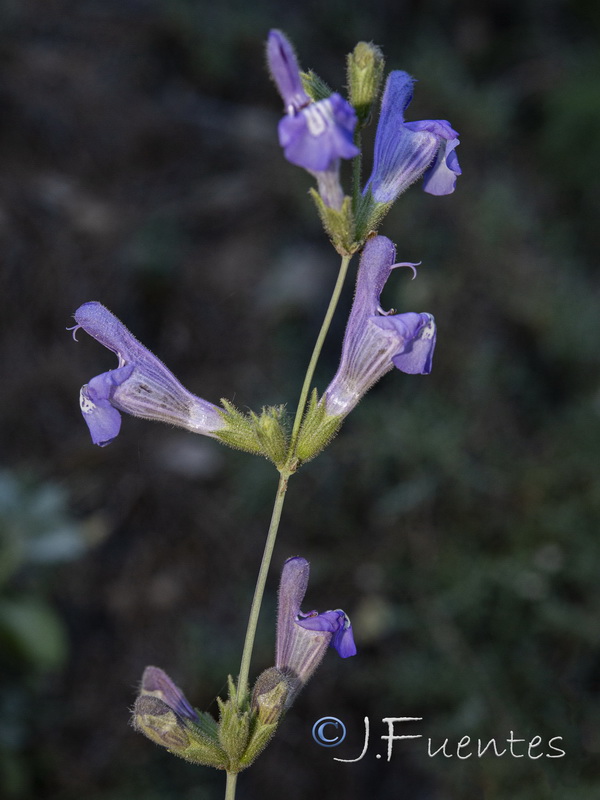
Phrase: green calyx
x=243 y=732
x=317 y=430
x=365 y=66
x=197 y=742
x=339 y=224
x=369 y=215
x=314 y=86
x=264 y=434
x=231 y=744
x=349 y=228
x=270 y=695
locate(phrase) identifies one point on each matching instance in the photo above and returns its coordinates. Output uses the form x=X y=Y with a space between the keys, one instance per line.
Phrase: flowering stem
x=285 y=474
x=356 y=173
x=242 y=684
x=316 y=353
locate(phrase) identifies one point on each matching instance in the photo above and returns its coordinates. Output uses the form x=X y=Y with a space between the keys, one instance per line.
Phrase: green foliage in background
x=36 y=534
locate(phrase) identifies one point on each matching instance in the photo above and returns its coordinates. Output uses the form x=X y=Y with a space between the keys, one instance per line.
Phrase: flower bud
x=269 y=695
x=364 y=69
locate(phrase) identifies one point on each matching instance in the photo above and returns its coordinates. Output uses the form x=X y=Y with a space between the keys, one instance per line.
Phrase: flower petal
x=419 y=334
x=440 y=178
x=337 y=623
x=156 y=682
x=292 y=588
x=319 y=134
x=102 y=419
x=107 y=329
x=285 y=71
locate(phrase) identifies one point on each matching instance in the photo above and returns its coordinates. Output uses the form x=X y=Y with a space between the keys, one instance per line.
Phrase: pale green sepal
x=242 y=734
x=315 y=87
x=268 y=704
x=261 y=736
x=234 y=732
x=262 y=435
x=339 y=224
x=271 y=433
x=208 y=725
x=364 y=72
x=317 y=430
x=369 y=215
x=239 y=430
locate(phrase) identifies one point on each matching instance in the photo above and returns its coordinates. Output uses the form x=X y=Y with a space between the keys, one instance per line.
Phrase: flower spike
x=141 y=385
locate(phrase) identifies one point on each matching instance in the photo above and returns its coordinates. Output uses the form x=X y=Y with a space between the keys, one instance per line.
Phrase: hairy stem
x=356 y=173
x=285 y=474
x=316 y=353
x=242 y=684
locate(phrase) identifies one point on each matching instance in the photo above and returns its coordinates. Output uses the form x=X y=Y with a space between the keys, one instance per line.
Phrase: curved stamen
x=408 y=264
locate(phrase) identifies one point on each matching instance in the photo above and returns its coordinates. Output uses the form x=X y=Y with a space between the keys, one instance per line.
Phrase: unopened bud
x=364 y=70
x=270 y=694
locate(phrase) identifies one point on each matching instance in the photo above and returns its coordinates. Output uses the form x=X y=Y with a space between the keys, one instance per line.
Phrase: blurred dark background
x=455 y=517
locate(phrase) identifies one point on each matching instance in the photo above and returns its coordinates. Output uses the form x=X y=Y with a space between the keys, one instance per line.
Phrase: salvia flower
x=302 y=639
x=376 y=341
x=313 y=135
x=405 y=151
x=141 y=384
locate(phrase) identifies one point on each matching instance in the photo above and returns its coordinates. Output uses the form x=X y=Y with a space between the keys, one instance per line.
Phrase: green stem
x=230 y=785
x=285 y=474
x=242 y=685
x=316 y=353
x=356 y=173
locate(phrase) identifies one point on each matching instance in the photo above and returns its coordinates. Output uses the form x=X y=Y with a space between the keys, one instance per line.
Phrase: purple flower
x=141 y=385
x=314 y=135
x=404 y=151
x=302 y=639
x=376 y=341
